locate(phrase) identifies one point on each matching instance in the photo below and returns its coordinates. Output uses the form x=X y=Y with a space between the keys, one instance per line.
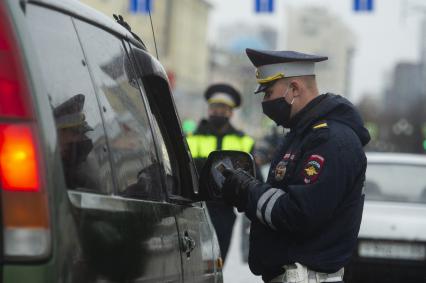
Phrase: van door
x=83 y=226
x=150 y=225
x=196 y=235
x=194 y=231
x=197 y=246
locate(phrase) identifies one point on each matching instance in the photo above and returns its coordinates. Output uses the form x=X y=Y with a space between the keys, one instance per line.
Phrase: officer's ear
x=295 y=87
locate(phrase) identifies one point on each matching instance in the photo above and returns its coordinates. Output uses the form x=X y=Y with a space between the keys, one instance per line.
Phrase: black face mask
x=218 y=121
x=278 y=110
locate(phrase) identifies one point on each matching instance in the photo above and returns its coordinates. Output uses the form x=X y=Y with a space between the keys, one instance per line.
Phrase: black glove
x=236 y=187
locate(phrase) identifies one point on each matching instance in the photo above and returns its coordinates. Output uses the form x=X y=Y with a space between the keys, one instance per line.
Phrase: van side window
x=167 y=159
x=135 y=162
x=81 y=137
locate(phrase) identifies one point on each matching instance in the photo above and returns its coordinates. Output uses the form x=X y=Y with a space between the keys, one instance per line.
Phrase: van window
x=134 y=158
x=182 y=178
x=167 y=159
x=81 y=138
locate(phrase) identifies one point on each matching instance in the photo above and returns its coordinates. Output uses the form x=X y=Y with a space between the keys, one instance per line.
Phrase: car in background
x=96 y=180
x=392 y=237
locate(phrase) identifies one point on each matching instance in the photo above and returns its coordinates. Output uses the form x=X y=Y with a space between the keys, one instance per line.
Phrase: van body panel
x=126 y=239
x=200 y=260
x=34 y=273
x=101 y=234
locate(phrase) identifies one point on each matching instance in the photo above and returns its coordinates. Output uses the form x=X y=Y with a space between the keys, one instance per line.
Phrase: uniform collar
x=308 y=115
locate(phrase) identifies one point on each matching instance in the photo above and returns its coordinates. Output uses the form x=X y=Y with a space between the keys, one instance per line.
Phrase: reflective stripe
x=247 y=143
x=270 y=206
x=193 y=145
x=206 y=145
x=234 y=142
x=201 y=146
x=262 y=200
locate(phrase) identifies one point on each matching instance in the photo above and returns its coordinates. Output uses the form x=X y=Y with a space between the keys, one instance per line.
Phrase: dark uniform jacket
x=309 y=211
x=205 y=140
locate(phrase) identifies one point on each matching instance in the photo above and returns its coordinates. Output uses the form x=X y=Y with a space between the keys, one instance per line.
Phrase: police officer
x=306 y=217
x=217 y=133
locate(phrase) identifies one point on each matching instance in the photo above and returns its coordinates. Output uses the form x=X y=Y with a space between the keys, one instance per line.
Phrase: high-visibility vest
x=202 y=145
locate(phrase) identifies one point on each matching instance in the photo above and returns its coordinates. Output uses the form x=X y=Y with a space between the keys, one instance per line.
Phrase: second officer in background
x=217 y=133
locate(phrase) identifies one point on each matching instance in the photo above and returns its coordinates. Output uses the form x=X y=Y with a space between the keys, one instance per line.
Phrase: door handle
x=188 y=244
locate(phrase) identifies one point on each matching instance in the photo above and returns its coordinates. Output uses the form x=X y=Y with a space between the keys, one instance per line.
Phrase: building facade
x=180 y=29
x=315 y=30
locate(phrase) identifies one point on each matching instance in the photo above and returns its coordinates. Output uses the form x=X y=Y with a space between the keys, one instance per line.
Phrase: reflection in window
x=135 y=162
x=171 y=179
x=74 y=106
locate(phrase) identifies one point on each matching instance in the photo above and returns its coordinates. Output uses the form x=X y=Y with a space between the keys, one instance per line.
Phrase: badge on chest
x=281 y=168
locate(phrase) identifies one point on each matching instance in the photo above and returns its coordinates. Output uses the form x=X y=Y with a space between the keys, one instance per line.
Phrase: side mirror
x=211 y=178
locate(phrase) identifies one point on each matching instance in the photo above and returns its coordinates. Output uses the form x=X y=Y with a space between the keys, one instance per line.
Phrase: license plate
x=392 y=250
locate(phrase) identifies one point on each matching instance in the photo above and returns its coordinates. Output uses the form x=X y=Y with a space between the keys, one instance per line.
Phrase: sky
x=384 y=37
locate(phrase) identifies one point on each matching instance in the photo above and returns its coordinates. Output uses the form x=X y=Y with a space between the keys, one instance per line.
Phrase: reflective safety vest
x=202 y=145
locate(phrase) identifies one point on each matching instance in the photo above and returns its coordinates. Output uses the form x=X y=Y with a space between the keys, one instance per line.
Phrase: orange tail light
x=24 y=206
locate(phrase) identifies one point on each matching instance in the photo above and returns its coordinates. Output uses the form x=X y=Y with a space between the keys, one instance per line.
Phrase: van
x=97 y=183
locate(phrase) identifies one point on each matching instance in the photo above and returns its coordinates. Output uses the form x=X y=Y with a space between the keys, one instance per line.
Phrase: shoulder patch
x=312 y=168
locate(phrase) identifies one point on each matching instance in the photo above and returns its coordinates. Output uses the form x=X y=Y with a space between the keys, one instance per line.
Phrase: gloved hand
x=236 y=187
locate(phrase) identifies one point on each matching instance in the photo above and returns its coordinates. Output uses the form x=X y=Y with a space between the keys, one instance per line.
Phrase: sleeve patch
x=312 y=169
